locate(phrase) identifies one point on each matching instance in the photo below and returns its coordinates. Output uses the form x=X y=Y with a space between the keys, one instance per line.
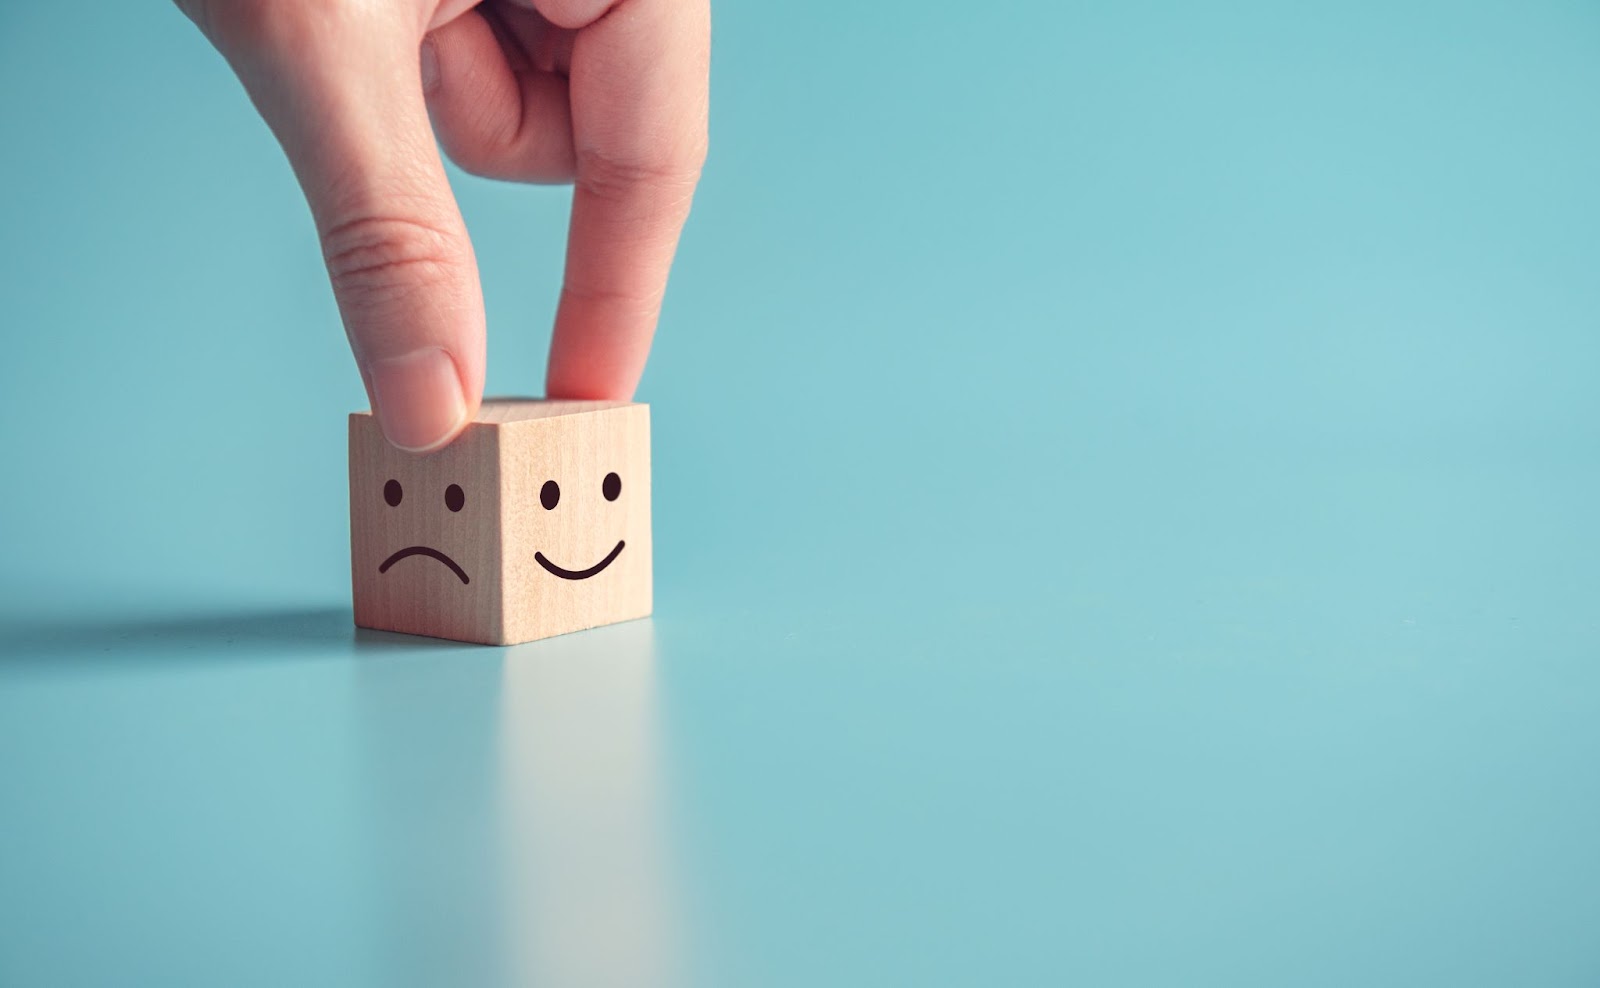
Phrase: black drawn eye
x=611 y=487
x=550 y=495
x=392 y=493
x=454 y=497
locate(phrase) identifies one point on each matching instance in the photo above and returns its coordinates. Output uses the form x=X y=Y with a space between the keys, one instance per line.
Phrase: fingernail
x=430 y=66
x=419 y=399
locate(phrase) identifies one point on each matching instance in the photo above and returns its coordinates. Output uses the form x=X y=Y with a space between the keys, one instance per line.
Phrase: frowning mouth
x=422 y=550
x=582 y=574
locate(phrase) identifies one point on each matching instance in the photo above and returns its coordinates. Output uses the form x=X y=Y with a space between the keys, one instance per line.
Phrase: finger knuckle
x=375 y=259
x=634 y=302
x=500 y=154
x=612 y=176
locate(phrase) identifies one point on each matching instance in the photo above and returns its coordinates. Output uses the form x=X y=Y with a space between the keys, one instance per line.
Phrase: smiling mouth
x=422 y=550
x=582 y=574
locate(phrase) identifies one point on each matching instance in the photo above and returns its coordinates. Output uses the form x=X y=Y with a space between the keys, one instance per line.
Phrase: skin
x=609 y=95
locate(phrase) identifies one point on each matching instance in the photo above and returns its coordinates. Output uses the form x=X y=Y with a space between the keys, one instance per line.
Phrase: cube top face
x=534 y=522
x=501 y=411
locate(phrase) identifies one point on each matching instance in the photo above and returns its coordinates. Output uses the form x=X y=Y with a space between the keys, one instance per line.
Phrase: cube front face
x=577 y=543
x=534 y=522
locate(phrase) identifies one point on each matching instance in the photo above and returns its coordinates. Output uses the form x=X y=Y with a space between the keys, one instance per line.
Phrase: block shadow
x=130 y=641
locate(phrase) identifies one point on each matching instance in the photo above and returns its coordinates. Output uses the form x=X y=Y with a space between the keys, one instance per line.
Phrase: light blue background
x=1126 y=483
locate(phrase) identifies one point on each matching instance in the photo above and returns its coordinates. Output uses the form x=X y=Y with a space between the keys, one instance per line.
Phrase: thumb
x=340 y=86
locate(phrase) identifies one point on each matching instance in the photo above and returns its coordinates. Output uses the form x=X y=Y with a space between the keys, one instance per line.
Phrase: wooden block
x=534 y=522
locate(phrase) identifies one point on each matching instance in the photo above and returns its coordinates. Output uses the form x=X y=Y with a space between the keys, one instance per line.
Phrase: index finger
x=639 y=89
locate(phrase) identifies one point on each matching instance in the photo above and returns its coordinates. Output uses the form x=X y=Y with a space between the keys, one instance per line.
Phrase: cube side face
x=425 y=535
x=586 y=559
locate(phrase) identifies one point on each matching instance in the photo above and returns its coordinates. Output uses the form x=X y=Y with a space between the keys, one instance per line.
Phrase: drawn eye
x=611 y=487
x=454 y=497
x=550 y=495
x=392 y=493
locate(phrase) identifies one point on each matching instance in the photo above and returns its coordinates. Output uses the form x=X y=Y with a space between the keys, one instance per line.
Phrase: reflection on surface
x=589 y=890
x=512 y=798
x=428 y=800
x=284 y=799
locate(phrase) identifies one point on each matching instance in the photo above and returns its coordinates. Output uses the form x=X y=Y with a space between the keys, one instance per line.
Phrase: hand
x=608 y=94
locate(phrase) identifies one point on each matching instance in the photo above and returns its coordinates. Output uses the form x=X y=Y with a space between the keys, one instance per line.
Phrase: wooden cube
x=534 y=522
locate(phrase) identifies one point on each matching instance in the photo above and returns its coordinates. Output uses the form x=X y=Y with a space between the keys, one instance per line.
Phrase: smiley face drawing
x=534 y=522
x=550 y=497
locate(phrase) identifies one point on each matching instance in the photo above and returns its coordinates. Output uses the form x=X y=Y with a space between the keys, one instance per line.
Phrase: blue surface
x=1125 y=514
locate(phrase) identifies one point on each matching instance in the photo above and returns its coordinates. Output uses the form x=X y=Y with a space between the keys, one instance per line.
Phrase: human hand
x=608 y=94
